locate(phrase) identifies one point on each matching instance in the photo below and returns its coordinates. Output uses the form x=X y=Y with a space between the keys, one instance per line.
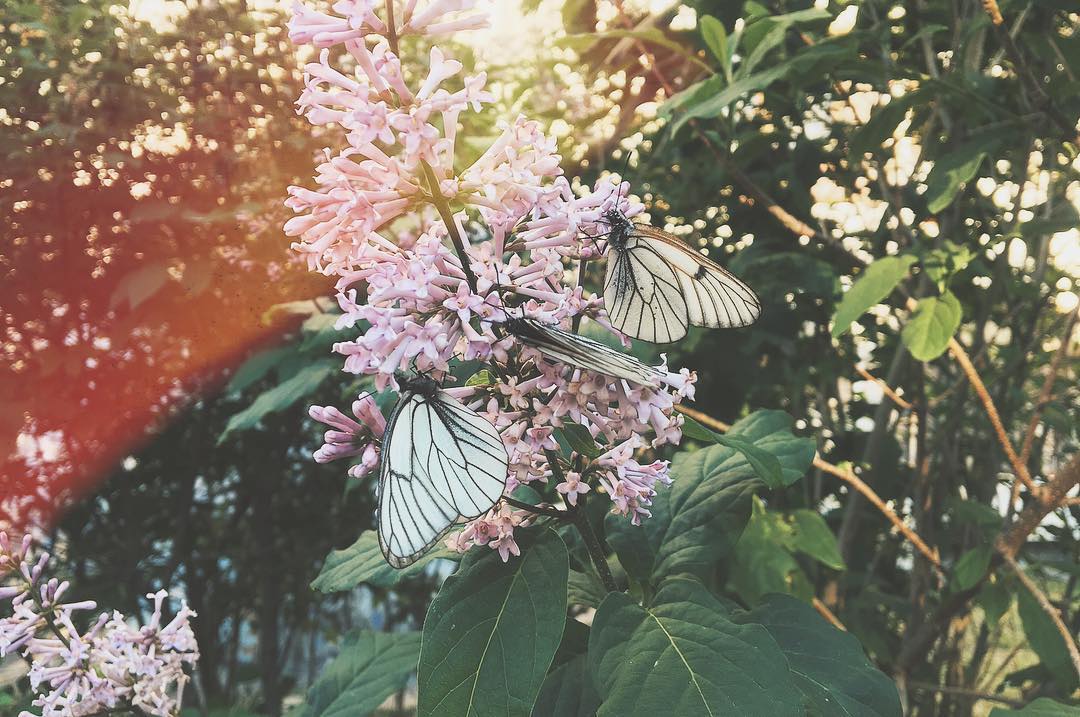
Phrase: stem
x=391 y=30
x=538 y=509
x=443 y=207
x=596 y=551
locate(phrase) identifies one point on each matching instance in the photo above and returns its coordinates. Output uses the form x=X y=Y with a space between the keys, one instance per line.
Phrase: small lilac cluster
x=428 y=301
x=112 y=666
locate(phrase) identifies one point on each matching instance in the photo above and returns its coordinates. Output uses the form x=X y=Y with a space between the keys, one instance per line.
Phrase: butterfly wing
x=442 y=462
x=707 y=295
x=582 y=352
x=643 y=295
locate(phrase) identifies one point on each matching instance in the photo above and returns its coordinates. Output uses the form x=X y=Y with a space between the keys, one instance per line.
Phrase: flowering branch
x=429 y=305
x=113 y=667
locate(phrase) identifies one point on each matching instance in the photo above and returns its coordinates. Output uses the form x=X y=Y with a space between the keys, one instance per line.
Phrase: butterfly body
x=581 y=352
x=656 y=286
x=442 y=463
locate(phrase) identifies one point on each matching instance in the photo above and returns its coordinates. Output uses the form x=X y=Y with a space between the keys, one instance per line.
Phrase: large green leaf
x=1046 y=641
x=716 y=39
x=828 y=664
x=683 y=655
x=568 y=691
x=765 y=464
x=876 y=282
x=971 y=566
x=301 y=384
x=814 y=538
x=700 y=516
x=371 y=667
x=935 y=321
x=1042 y=707
x=363 y=562
x=491 y=632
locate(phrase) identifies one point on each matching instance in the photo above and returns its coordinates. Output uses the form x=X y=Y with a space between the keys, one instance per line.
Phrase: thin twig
x=849 y=477
x=447 y=216
x=1048 y=388
x=1048 y=608
x=893 y=395
x=828 y=614
x=968 y=368
x=964 y=692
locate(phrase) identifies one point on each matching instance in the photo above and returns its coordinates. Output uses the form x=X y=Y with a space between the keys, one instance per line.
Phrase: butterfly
x=441 y=463
x=656 y=286
x=581 y=352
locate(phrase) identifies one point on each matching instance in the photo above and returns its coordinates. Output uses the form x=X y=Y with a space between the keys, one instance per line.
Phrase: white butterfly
x=581 y=352
x=441 y=463
x=657 y=286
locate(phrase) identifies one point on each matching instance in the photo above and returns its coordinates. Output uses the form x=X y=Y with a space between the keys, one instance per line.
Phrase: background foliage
x=145 y=160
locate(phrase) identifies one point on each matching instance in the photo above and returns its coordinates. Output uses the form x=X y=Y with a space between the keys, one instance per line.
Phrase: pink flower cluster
x=112 y=666
x=518 y=248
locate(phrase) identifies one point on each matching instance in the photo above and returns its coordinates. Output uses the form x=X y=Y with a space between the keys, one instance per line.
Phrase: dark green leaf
x=814 y=538
x=883 y=122
x=585 y=589
x=577 y=437
x=875 y=283
x=1042 y=707
x=684 y=656
x=765 y=464
x=298 y=386
x=935 y=321
x=371 y=667
x=995 y=599
x=700 y=516
x=568 y=691
x=828 y=664
x=951 y=171
x=491 y=632
x=693 y=428
x=707 y=101
x=363 y=562
x=1046 y=641
x=256 y=367
x=971 y=566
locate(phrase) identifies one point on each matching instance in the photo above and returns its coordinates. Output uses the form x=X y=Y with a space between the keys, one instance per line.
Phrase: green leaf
x=715 y=36
x=577 y=437
x=771 y=31
x=256 y=367
x=1042 y=707
x=763 y=559
x=1046 y=641
x=995 y=600
x=568 y=691
x=943 y=263
x=692 y=428
x=585 y=588
x=883 y=122
x=363 y=562
x=491 y=632
x=875 y=283
x=814 y=538
x=684 y=656
x=951 y=171
x=139 y=285
x=700 y=516
x=708 y=100
x=371 y=667
x=935 y=321
x=298 y=386
x=971 y=566
x=481 y=378
x=765 y=464
x=829 y=665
